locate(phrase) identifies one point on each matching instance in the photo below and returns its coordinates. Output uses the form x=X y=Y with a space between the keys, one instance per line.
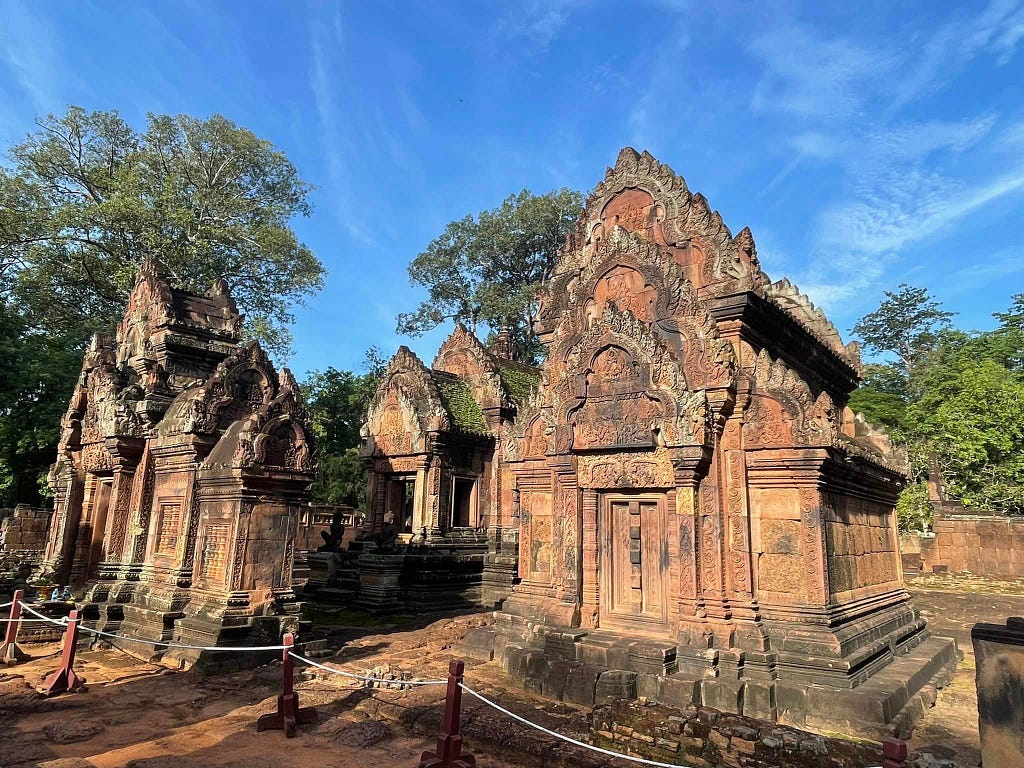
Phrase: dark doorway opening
x=463 y=498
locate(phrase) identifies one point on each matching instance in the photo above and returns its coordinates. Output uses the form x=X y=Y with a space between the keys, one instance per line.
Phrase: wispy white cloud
x=810 y=76
x=538 y=22
x=899 y=181
x=326 y=41
x=28 y=50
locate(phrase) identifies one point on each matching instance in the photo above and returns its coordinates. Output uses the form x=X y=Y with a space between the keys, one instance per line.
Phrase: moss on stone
x=457 y=399
x=519 y=380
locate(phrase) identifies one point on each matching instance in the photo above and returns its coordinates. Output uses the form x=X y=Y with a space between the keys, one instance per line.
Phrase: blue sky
x=866 y=144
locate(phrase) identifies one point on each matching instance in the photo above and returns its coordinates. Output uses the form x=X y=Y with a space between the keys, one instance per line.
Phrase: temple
x=432 y=445
x=182 y=463
x=701 y=519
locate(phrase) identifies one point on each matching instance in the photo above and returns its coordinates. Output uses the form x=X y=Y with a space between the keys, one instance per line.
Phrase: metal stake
x=65 y=679
x=10 y=653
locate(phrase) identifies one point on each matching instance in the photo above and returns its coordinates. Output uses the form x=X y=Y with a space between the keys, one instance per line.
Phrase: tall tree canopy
x=486 y=270
x=953 y=396
x=85 y=197
x=337 y=402
x=907 y=324
x=82 y=200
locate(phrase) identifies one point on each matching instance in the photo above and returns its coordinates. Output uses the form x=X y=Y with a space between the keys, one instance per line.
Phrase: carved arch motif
x=623 y=379
x=405 y=407
x=277 y=436
x=678 y=218
x=464 y=355
x=784 y=412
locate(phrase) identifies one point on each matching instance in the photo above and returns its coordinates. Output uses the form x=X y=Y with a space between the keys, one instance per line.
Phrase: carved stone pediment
x=784 y=412
x=405 y=408
x=463 y=355
x=242 y=384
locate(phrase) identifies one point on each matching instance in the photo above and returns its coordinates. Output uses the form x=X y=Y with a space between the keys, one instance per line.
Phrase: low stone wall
x=705 y=737
x=983 y=545
x=25 y=529
x=316 y=518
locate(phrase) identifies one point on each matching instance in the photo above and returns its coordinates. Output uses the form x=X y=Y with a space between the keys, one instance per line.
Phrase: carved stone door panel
x=634 y=567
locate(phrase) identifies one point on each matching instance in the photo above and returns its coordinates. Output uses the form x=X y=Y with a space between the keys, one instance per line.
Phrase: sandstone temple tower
x=701 y=519
x=183 y=460
x=432 y=447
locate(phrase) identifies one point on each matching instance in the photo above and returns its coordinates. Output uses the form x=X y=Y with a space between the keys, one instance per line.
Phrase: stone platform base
x=384 y=581
x=158 y=615
x=598 y=667
x=413 y=582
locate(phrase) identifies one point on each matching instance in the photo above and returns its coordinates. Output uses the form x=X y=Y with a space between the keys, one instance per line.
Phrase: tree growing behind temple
x=486 y=270
x=83 y=199
x=953 y=396
x=337 y=402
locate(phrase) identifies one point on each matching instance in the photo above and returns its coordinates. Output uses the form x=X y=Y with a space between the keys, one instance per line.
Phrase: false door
x=634 y=562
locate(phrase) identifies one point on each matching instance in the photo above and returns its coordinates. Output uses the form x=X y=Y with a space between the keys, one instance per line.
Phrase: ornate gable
x=241 y=385
x=625 y=387
x=647 y=197
x=406 y=406
x=784 y=412
x=150 y=306
x=463 y=355
x=275 y=437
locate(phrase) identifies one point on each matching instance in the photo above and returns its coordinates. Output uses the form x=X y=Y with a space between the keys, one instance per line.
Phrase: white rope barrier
x=569 y=739
x=6 y=605
x=164 y=644
x=334 y=671
x=353 y=675
x=156 y=643
x=34 y=612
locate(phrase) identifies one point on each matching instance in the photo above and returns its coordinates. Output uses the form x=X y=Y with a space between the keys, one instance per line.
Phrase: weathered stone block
x=999 y=651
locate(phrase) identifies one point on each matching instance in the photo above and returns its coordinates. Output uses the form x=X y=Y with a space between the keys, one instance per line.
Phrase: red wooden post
x=449 y=752
x=288 y=714
x=10 y=653
x=894 y=752
x=65 y=679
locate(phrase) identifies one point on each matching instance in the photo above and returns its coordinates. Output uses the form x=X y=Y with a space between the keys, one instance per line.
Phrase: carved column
x=591 y=592
x=123 y=497
x=816 y=586
x=435 y=520
x=567 y=551
x=690 y=609
x=187 y=538
x=138 y=532
x=64 y=525
x=739 y=573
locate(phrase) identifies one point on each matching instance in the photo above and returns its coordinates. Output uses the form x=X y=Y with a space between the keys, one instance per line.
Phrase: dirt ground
x=952 y=605
x=139 y=715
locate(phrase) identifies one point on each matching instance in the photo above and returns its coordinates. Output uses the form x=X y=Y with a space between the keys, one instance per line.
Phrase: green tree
x=955 y=396
x=337 y=402
x=882 y=397
x=85 y=197
x=907 y=324
x=82 y=200
x=486 y=270
x=37 y=374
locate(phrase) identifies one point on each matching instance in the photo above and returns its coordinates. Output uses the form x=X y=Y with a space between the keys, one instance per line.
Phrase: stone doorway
x=401 y=500
x=633 y=537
